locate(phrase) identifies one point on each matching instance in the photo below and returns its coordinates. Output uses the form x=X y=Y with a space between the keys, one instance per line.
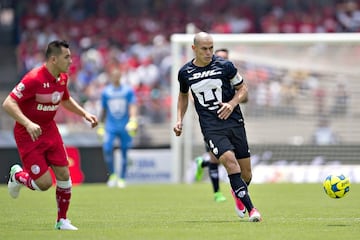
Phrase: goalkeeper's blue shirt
x=209 y=86
x=116 y=102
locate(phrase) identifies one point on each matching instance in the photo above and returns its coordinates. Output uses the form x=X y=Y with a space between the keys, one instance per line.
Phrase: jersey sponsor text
x=47 y=108
x=204 y=74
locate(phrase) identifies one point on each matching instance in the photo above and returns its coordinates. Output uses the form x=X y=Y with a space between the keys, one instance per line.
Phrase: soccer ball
x=336 y=186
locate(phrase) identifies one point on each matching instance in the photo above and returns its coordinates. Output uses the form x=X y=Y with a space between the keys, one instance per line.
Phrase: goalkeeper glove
x=100 y=131
x=132 y=126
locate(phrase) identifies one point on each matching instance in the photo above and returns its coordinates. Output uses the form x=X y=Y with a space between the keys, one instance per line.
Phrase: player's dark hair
x=222 y=50
x=54 y=48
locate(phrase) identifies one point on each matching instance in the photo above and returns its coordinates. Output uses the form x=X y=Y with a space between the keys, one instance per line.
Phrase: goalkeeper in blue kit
x=119 y=116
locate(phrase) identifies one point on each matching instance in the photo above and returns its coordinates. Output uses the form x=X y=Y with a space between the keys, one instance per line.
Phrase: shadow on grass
x=215 y=221
x=338 y=225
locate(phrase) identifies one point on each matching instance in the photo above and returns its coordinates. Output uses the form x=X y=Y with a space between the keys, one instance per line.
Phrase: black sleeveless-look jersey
x=209 y=86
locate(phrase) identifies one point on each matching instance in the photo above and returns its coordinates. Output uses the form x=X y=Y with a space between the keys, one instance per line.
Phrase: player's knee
x=213 y=159
x=44 y=182
x=108 y=151
x=44 y=185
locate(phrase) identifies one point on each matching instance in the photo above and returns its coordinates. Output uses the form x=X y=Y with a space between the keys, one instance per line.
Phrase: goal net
x=303 y=108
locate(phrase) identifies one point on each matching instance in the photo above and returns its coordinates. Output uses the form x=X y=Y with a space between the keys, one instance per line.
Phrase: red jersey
x=39 y=94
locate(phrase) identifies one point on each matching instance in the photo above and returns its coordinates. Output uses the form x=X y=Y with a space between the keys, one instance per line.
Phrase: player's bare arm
x=13 y=109
x=133 y=111
x=244 y=87
x=240 y=96
x=183 y=101
x=74 y=107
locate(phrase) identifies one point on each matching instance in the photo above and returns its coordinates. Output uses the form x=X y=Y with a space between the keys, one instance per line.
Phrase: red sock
x=63 y=196
x=25 y=179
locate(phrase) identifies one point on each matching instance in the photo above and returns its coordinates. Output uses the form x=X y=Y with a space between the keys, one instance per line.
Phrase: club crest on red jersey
x=55 y=97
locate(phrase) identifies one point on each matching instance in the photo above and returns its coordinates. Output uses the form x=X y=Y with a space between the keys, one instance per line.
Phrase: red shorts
x=37 y=156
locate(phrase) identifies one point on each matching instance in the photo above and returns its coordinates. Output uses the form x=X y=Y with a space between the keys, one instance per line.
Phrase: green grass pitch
x=181 y=211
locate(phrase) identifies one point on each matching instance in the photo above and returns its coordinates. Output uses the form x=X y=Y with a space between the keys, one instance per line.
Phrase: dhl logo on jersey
x=204 y=74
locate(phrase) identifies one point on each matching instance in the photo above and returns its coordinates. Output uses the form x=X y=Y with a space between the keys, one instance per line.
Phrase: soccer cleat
x=121 y=183
x=219 y=197
x=239 y=206
x=254 y=216
x=199 y=169
x=112 y=181
x=13 y=185
x=64 y=224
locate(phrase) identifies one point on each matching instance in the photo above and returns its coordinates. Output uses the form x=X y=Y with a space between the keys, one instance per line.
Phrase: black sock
x=240 y=189
x=205 y=164
x=214 y=175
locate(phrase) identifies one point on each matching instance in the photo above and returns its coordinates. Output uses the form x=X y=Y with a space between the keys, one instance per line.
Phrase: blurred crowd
x=134 y=37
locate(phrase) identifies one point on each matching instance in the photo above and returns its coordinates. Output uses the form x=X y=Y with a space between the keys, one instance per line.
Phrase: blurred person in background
x=119 y=116
x=341 y=99
x=324 y=134
x=33 y=104
x=217 y=90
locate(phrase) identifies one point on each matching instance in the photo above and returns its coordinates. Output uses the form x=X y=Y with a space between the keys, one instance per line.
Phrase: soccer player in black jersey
x=209 y=160
x=217 y=90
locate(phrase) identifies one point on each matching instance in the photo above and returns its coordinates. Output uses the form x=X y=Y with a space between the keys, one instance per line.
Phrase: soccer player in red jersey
x=33 y=104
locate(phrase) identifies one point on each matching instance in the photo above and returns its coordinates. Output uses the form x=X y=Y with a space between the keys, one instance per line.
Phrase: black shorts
x=233 y=139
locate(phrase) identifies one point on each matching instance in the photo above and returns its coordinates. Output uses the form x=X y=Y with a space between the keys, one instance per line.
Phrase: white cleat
x=254 y=216
x=65 y=224
x=239 y=206
x=13 y=185
x=240 y=213
x=112 y=181
x=121 y=183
